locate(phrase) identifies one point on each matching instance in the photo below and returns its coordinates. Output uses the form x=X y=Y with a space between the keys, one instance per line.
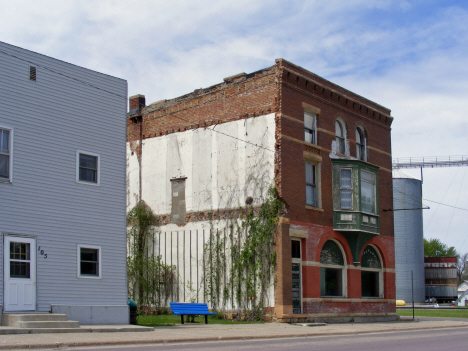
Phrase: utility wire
x=63 y=74
x=456 y=202
x=443 y=197
x=213 y=130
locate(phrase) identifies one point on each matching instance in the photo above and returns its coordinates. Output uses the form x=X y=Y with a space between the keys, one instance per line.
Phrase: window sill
x=87 y=183
x=314 y=208
x=88 y=277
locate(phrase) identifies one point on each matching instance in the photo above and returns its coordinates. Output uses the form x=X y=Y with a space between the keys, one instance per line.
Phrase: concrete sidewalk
x=211 y=332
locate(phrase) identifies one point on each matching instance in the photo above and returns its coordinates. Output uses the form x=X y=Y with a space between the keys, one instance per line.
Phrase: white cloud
x=408 y=56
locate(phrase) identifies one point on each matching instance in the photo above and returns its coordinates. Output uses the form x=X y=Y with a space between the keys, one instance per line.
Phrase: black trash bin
x=133 y=311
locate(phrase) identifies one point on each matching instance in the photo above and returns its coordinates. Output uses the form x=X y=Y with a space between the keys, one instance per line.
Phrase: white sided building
x=62 y=189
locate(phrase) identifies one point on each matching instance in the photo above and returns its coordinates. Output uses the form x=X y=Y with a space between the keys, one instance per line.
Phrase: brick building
x=325 y=149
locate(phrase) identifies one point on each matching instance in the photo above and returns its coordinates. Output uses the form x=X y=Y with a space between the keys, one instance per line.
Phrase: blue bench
x=191 y=309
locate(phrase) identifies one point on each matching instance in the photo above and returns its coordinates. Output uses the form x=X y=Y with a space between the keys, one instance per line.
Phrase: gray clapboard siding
x=52 y=118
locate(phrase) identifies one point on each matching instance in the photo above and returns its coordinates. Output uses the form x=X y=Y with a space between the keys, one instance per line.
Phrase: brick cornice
x=327 y=94
x=202 y=96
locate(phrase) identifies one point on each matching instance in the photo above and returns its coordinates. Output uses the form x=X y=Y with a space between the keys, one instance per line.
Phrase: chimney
x=136 y=102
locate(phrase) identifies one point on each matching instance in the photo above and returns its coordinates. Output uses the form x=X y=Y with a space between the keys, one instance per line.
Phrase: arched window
x=360 y=144
x=340 y=132
x=371 y=273
x=332 y=266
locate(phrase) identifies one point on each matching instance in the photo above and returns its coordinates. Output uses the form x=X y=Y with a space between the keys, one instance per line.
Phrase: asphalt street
x=417 y=340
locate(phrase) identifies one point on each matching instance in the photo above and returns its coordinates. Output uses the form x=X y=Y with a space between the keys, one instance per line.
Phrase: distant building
x=197 y=158
x=62 y=189
x=441 y=278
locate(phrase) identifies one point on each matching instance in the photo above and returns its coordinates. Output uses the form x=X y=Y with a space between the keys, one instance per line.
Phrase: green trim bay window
x=355 y=201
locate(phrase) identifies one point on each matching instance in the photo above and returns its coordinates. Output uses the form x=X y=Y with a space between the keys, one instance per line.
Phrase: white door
x=20 y=274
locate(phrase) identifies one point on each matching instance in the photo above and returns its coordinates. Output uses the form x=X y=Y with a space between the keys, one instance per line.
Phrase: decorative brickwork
x=284 y=89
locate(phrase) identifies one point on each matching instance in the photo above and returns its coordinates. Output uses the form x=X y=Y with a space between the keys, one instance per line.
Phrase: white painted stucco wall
x=223 y=166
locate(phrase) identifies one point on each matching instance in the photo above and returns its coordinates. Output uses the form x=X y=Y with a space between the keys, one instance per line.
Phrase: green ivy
x=150 y=281
x=253 y=259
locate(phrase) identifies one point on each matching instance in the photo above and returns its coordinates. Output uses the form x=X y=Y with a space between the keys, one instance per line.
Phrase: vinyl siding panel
x=68 y=108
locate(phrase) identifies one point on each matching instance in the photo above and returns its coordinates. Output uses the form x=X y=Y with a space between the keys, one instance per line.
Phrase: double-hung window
x=368 y=192
x=5 y=154
x=340 y=132
x=346 y=189
x=360 y=145
x=89 y=261
x=310 y=131
x=87 y=168
x=311 y=185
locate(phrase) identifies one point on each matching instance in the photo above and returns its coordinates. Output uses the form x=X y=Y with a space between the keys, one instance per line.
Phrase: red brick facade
x=288 y=90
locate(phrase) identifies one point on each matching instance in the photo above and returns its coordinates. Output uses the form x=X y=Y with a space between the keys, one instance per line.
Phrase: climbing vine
x=252 y=258
x=150 y=281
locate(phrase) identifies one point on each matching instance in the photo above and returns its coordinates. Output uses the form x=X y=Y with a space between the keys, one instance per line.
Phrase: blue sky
x=410 y=56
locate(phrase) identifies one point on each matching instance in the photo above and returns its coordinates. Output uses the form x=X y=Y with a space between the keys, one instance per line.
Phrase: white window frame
x=98 y=173
x=314 y=127
x=10 y=154
x=78 y=261
x=361 y=147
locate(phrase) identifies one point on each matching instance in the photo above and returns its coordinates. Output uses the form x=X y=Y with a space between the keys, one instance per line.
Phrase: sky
x=409 y=56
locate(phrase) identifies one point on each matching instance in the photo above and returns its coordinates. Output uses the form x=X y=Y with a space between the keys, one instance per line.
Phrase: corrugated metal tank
x=409 y=246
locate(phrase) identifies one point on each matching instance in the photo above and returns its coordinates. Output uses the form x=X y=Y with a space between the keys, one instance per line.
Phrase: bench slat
x=189 y=309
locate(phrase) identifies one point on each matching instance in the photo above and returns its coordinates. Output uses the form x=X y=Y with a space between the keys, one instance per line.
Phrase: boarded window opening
x=178 y=210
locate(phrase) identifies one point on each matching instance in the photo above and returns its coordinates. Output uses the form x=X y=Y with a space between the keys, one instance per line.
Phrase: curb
x=219 y=338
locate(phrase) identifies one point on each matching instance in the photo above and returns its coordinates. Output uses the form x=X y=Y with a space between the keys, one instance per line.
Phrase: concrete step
x=49 y=324
x=37 y=320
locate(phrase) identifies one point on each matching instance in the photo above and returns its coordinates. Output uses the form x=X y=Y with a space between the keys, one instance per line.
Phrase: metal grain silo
x=409 y=246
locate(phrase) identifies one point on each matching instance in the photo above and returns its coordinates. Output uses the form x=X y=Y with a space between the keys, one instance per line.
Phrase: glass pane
x=331 y=254
x=370 y=258
x=87 y=161
x=310 y=173
x=346 y=178
x=338 y=129
x=296 y=248
x=331 y=282
x=89 y=261
x=88 y=175
x=367 y=197
x=311 y=195
x=309 y=120
x=360 y=152
x=19 y=269
x=19 y=251
x=340 y=145
x=4 y=140
x=346 y=200
x=370 y=284
x=369 y=177
x=89 y=255
x=4 y=166
x=89 y=268
x=358 y=136
x=309 y=136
